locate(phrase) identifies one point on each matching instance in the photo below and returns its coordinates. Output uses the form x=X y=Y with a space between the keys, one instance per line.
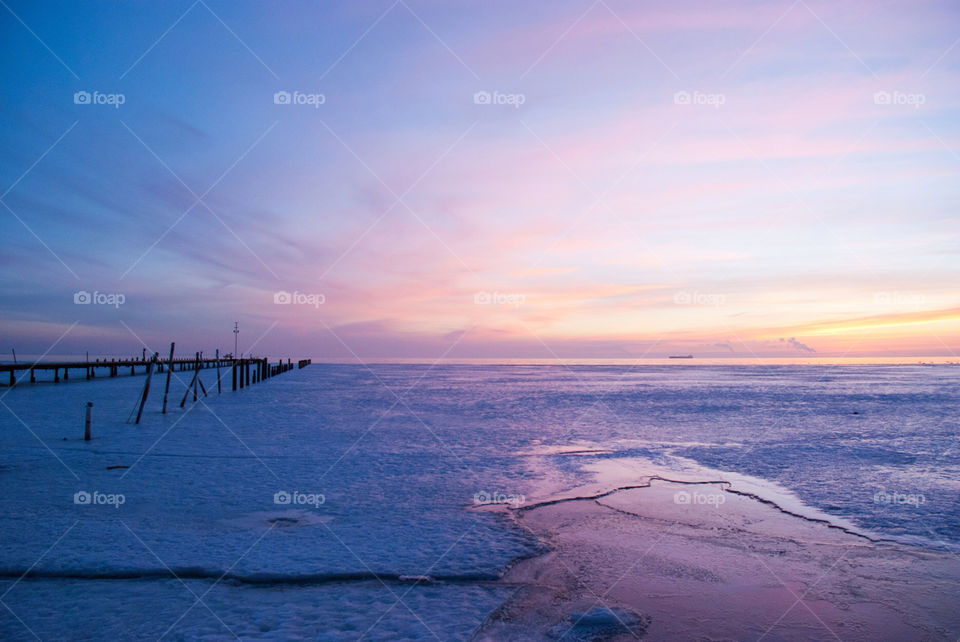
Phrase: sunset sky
x=715 y=178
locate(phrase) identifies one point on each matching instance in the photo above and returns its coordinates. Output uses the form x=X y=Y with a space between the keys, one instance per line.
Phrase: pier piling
x=89 y=422
x=166 y=389
x=146 y=386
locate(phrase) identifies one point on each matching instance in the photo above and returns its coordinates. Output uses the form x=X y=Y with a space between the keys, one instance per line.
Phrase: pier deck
x=12 y=374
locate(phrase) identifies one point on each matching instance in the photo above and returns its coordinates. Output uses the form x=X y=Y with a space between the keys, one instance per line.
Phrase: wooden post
x=56 y=375
x=13 y=378
x=196 y=366
x=218 y=371
x=248 y=372
x=166 y=390
x=187 y=393
x=89 y=422
x=233 y=370
x=146 y=386
x=33 y=376
x=241 y=373
x=66 y=374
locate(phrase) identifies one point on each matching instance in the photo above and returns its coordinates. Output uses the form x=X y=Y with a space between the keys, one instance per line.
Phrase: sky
x=427 y=178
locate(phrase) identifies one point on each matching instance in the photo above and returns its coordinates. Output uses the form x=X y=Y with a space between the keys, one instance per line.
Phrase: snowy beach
x=419 y=502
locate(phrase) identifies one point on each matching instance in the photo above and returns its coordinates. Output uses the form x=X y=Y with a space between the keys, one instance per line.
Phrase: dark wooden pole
x=218 y=370
x=192 y=385
x=89 y=422
x=166 y=389
x=146 y=386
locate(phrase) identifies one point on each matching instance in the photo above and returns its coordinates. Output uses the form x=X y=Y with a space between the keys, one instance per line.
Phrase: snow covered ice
x=217 y=534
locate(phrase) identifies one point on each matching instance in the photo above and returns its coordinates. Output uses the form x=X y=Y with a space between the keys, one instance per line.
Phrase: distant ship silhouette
x=681 y=356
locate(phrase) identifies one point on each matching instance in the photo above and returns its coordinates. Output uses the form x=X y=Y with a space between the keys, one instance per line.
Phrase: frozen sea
x=383 y=463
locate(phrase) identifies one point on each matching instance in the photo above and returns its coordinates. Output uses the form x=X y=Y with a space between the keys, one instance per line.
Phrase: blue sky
x=705 y=178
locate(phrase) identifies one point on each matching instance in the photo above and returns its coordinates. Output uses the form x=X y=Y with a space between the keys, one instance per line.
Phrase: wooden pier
x=252 y=369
